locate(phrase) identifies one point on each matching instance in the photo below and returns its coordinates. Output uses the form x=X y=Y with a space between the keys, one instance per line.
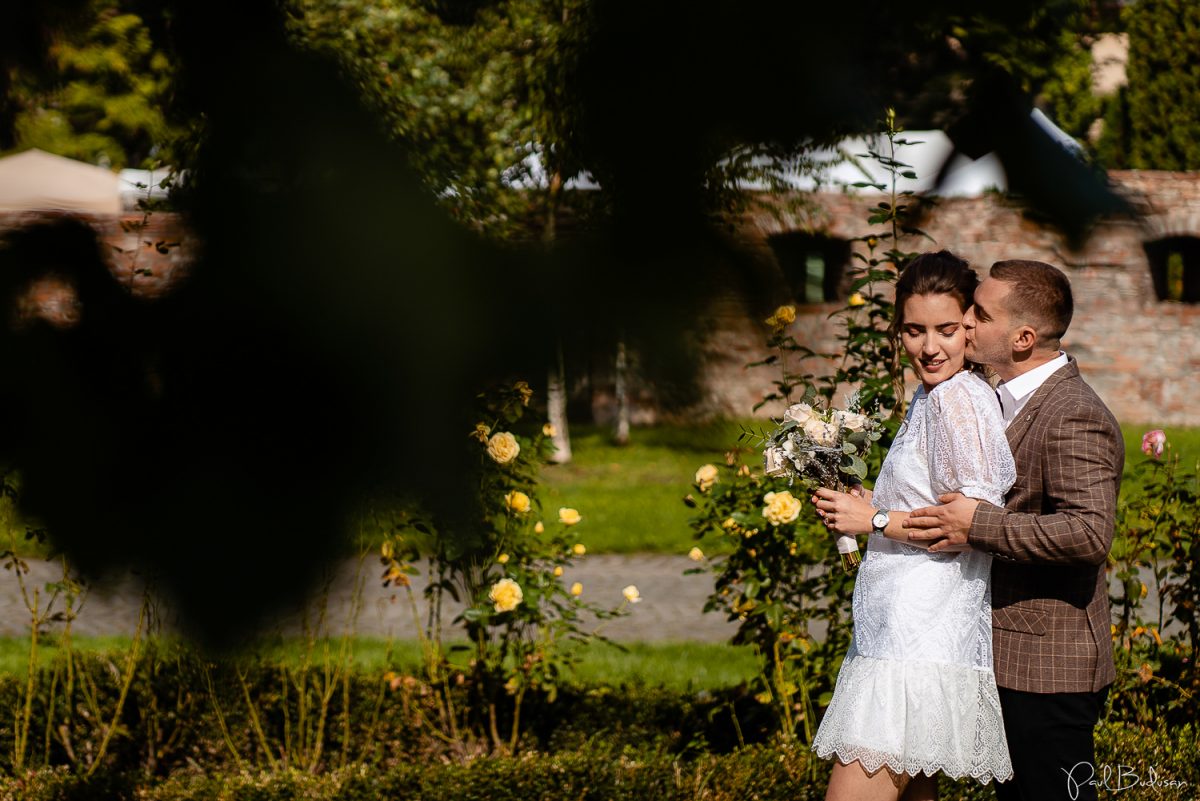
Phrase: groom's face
x=989 y=325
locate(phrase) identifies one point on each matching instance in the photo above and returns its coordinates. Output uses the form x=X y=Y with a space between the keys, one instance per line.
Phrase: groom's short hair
x=1039 y=295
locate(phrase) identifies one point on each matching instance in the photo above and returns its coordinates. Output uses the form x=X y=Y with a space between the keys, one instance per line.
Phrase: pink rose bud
x=1153 y=442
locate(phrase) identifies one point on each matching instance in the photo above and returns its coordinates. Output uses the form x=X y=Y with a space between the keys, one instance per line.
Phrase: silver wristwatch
x=879 y=520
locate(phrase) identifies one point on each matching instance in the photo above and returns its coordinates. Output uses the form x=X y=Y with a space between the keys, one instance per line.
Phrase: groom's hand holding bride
x=945 y=526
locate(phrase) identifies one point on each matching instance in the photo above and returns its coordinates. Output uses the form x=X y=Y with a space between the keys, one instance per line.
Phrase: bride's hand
x=859 y=491
x=844 y=513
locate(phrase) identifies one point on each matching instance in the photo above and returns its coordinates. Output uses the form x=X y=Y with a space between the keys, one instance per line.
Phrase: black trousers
x=1050 y=739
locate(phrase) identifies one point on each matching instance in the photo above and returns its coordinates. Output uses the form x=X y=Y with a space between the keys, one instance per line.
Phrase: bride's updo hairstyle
x=940 y=273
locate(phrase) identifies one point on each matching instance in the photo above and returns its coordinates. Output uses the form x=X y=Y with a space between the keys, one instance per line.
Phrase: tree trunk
x=556 y=402
x=556 y=385
x=621 y=423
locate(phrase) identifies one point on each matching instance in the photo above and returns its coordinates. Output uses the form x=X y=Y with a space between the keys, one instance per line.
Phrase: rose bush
x=507 y=569
x=1158 y=532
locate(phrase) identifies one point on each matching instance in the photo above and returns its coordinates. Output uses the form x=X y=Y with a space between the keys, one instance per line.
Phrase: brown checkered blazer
x=1050 y=615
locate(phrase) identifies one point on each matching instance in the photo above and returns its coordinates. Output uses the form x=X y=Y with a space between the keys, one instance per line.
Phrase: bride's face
x=934 y=337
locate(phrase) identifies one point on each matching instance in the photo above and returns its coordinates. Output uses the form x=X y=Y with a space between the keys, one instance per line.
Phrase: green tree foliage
x=1066 y=91
x=470 y=99
x=1163 y=96
x=101 y=95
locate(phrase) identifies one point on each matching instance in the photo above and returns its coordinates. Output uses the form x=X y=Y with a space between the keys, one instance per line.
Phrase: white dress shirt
x=1015 y=394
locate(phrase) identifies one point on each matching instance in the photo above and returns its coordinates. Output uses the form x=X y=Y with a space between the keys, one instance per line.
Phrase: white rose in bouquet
x=852 y=421
x=820 y=432
x=775 y=463
x=799 y=412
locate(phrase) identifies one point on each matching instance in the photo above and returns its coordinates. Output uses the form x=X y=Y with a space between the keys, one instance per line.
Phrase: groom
x=1050 y=618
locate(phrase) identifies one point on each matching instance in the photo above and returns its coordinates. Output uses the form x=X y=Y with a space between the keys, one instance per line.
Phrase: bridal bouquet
x=822 y=448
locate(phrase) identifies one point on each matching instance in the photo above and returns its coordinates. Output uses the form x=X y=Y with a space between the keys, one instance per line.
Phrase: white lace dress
x=917 y=691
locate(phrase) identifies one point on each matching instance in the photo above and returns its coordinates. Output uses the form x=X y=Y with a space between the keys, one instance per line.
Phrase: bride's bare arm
x=851 y=512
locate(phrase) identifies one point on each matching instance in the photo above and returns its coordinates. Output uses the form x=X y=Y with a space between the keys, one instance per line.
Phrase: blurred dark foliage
x=337 y=322
x=27 y=31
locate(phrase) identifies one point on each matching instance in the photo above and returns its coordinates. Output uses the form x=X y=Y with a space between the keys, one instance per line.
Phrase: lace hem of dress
x=916 y=717
x=873 y=761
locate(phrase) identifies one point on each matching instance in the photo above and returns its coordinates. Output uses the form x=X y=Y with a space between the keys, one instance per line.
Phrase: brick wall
x=148 y=256
x=1141 y=355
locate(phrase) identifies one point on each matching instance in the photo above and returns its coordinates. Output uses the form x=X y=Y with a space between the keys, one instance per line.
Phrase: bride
x=916 y=694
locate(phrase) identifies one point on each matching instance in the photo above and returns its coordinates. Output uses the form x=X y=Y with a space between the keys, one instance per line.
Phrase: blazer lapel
x=1021 y=424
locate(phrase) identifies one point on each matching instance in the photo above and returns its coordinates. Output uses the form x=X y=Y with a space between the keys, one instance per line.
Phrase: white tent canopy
x=139 y=185
x=38 y=181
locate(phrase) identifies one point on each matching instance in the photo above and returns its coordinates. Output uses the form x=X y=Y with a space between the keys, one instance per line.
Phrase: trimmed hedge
x=761 y=772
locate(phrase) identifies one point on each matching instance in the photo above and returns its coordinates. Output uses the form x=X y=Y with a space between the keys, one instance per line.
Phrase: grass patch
x=14 y=651
x=631 y=497
x=683 y=667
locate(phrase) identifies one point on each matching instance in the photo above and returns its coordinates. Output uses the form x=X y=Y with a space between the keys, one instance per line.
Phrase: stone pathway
x=671 y=608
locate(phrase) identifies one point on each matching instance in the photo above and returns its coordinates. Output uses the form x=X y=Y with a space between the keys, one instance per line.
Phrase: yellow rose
x=820 y=432
x=579 y=549
x=696 y=555
x=558 y=571
x=577 y=589
x=506 y=595
x=568 y=516
x=857 y=300
x=632 y=595
x=502 y=558
x=503 y=447
x=522 y=387
x=549 y=430
x=781 y=508
x=744 y=470
x=730 y=523
x=539 y=527
x=517 y=501
x=481 y=432
x=783 y=317
x=706 y=476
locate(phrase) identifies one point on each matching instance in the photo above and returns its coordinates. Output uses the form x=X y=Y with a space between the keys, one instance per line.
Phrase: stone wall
x=1142 y=355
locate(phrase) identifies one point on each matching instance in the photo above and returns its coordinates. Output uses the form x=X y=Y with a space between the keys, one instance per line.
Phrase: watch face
x=879 y=520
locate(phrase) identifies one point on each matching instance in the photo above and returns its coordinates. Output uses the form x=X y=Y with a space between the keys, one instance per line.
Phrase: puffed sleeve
x=968 y=451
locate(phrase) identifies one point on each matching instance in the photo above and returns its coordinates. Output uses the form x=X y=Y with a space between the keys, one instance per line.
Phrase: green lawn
x=675 y=666
x=631 y=497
